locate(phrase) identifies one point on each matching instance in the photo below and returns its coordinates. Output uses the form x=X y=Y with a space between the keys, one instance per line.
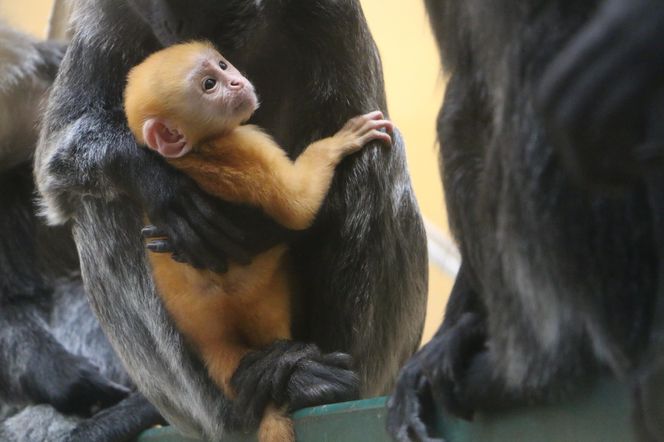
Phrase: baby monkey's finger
x=361 y=120
x=386 y=125
x=378 y=130
x=376 y=135
x=375 y=115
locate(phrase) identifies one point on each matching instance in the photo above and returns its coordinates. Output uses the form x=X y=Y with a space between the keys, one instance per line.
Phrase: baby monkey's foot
x=363 y=129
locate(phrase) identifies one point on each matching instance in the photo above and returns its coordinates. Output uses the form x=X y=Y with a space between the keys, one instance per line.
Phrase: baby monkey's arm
x=249 y=167
x=306 y=181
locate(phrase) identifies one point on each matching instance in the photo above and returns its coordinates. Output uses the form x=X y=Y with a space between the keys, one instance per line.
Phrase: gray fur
x=75 y=326
x=72 y=324
x=51 y=345
x=37 y=423
x=545 y=295
x=367 y=272
x=140 y=330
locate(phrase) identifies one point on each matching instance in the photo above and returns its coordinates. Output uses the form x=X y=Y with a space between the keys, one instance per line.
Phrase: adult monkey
x=616 y=91
x=557 y=282
x=56 y=366
x=314 y=65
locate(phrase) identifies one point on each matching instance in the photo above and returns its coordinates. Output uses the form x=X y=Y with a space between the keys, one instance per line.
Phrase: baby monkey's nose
x=235 y=84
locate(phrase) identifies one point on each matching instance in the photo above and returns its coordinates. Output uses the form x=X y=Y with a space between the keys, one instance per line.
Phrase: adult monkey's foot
x=290 y=373
x=433 y=379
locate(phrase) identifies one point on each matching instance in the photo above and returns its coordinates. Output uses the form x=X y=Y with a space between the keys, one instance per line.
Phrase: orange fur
x=247 y=166
x=224 y=316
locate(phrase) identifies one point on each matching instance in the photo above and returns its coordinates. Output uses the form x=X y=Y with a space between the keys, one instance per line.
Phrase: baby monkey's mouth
x=244 y=101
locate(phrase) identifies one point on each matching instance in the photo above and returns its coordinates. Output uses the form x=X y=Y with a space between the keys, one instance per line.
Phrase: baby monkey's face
x=223 y=89
x=183 y=95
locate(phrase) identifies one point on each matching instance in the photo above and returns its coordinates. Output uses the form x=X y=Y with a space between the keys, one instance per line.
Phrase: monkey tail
x=276 y=426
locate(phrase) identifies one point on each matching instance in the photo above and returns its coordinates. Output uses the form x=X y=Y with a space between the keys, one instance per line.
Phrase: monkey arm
x=84 y=134
x=430 y=376
x=602 y=98
x=292 y=192
x=307 y=180
x=248 y=167
x=251 y=168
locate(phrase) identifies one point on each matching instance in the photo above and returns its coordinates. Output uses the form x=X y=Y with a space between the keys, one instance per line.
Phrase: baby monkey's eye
x=223 y=65
x=209 y=84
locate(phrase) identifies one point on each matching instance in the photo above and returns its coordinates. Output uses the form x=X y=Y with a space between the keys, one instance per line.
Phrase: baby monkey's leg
x=275 y=426
x=221 y=362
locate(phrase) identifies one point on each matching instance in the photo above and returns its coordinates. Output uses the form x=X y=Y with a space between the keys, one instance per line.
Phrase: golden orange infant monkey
x=187 y=103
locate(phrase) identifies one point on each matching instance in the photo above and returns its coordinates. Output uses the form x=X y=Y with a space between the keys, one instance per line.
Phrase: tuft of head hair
x=158 y=87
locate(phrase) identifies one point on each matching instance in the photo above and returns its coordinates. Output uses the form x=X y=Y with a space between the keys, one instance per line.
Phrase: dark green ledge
x=601 y=413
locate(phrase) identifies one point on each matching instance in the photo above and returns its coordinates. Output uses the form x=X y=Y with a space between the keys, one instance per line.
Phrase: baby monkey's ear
x=165 y=139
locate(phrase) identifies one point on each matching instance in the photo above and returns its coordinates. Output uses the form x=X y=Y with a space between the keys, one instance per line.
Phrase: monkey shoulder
x=250 y=141
x=253 y=133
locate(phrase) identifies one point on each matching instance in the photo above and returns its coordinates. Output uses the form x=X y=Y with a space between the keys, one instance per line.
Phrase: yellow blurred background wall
x=414 y=90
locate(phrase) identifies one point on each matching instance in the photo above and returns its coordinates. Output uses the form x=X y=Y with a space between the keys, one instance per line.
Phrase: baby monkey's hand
x=363 y=129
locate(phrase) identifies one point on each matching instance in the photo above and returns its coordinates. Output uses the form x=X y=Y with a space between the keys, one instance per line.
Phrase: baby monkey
x=188 y=103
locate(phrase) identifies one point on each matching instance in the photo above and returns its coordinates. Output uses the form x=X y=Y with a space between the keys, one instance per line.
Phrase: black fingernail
x=152 y=231
x=159 y=246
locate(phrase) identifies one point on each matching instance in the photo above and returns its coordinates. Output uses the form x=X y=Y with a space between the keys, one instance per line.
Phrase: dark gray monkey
x=52 y=350
x=314 y=64
x=558 y=282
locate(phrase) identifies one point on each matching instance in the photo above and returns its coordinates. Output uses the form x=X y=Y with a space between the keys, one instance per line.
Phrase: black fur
x=363 y=263
x=122 y=422
x=604 y=102
x=35 y=366
x=56 y=367
x=559 y=283
x=292 y=374
x=52 y=350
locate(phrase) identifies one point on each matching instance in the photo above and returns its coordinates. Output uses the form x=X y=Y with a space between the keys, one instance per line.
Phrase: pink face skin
x=224 y=88
x=219 y=90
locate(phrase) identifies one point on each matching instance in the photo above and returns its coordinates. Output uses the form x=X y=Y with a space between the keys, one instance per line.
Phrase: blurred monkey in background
x=56 y=367
x=551 y=154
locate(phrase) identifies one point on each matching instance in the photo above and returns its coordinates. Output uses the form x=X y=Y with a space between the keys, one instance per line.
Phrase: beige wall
x=28 y=15
x=414 y=88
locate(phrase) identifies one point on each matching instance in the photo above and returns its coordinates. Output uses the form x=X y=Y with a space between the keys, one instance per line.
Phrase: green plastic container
x=600 y=414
